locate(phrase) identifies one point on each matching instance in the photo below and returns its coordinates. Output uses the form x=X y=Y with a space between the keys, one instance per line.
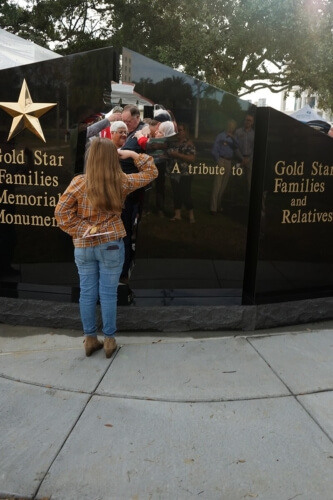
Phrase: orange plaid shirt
x=74 y=214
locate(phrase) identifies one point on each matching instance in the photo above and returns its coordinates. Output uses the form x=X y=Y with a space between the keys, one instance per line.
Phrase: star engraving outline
x=26 y=113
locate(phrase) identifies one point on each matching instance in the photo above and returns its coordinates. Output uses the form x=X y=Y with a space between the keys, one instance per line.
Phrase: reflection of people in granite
x=118 y=130
x=133 y=204
x=147 y=132
x=173 y=119
x=183 y=154
x=157 y=147
x=89 y=125
x=245 y=138
x=224 y=151
x=102 y=126
x=113 y=116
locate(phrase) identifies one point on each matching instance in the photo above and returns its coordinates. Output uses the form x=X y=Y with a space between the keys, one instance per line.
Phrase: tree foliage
x=238 y=45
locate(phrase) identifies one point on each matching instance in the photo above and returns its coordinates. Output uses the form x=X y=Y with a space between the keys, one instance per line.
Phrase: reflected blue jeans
x=99 y=270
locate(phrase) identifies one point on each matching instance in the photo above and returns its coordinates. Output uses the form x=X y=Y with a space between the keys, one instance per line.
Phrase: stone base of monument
x=172 y=318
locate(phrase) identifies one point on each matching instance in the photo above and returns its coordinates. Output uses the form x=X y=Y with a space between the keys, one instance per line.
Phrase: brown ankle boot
x=110 y=345
x=91 y=344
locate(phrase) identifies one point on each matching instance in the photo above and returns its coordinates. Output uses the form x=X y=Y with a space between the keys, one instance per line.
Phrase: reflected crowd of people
x=130 y=131
x=232 y=147
x=174 y=152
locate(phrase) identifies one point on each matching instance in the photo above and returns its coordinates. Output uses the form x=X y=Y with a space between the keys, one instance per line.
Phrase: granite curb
x=173 y=318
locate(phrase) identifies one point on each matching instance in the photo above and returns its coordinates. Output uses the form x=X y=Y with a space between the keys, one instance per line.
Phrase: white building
x=287 y=103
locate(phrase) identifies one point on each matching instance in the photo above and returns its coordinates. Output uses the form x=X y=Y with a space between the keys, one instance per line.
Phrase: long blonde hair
x=104 y=176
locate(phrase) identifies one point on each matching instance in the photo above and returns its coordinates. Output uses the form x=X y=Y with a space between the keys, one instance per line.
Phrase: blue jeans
x=99 y=269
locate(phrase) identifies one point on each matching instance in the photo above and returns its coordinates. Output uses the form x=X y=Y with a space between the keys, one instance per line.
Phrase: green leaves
x=276 y=44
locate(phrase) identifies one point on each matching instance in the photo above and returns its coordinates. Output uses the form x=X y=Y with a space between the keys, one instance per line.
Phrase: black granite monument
x=290 y=237
x=277 y=232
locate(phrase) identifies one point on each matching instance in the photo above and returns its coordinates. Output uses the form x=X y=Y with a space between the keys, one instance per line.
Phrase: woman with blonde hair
x=90 y=212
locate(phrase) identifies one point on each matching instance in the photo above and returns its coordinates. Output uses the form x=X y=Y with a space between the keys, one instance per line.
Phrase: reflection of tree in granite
x=174 y=92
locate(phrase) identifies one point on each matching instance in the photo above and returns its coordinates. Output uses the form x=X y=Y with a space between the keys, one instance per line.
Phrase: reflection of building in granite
x=126 y=68
x=288 y=102
x=123 y=93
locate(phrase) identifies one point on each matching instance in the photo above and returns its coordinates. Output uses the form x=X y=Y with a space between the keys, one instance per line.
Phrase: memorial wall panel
x=178 y=261
x=290 y=235
x=42 y=148
x=45 y=108
x=244 y=234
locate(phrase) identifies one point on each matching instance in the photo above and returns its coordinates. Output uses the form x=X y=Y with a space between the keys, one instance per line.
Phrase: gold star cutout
x=25 y=113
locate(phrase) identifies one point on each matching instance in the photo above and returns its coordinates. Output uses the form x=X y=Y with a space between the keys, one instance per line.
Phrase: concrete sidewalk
x=219 y=418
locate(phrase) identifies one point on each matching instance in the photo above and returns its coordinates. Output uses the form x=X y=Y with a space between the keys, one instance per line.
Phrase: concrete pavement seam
x=61 y=446
x=296 y=396
x=313 y=417
x=95 y=392
x=91 y=394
